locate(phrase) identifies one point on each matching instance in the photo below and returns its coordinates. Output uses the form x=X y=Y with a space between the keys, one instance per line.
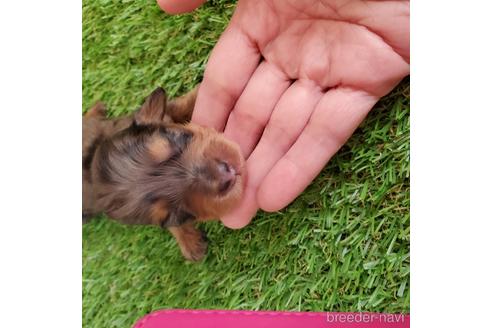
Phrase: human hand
x=290 y=81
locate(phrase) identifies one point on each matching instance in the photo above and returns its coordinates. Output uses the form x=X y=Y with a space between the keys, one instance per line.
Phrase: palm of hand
x=331 y=43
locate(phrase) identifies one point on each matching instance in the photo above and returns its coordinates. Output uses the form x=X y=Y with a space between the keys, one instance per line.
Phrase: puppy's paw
x=195 y=249
x=192 y=242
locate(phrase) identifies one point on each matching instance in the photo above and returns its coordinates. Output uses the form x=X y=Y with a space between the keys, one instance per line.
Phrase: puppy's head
x=166 y=173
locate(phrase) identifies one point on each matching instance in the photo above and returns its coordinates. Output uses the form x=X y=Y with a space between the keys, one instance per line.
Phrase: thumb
x=179 y=6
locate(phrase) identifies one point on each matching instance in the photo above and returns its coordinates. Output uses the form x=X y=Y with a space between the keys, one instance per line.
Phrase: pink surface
x=267 y=319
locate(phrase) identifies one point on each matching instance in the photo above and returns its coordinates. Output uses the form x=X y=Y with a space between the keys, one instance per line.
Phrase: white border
x=40 y=173
x=451 y=147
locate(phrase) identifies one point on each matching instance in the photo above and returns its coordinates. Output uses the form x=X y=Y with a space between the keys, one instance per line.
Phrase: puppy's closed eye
x=178 y=137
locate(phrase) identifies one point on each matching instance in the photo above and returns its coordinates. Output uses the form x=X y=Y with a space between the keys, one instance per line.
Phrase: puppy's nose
x=226 y=176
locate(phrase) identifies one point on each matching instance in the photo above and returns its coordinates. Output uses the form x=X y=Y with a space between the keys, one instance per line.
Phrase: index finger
x=231 y=64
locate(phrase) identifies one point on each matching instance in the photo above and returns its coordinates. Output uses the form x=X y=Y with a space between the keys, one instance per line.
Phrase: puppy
x=154 y=167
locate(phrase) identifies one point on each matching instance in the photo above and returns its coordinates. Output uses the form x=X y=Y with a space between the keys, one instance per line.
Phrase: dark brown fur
x=153 y=167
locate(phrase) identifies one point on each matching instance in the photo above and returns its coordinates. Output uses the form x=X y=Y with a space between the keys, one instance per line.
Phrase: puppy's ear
x=152 y=111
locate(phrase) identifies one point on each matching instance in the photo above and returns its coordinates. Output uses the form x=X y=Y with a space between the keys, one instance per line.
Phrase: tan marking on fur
x=190 y=241
x=159 y=148
x=158 y=212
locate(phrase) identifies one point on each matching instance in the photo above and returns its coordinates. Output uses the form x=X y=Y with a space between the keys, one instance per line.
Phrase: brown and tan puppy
x=153 y=167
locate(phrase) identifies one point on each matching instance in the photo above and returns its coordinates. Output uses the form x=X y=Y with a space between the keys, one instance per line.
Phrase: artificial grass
x=343 y=245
